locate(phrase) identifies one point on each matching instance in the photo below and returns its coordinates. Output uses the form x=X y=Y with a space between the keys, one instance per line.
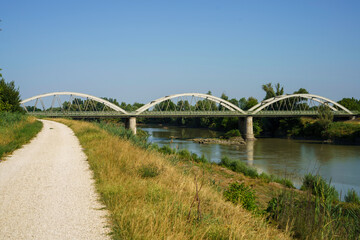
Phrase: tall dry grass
x=158 y=206
x=16 y=129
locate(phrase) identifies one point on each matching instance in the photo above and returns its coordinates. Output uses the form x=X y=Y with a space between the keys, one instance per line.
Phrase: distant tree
x=112 y=100
x=234 y=101
x=350 y=103
x=301 y=90
x=224 y=96
x=9 y=96
x=251 y=101
x=325 y=116
x=242 y=103
x=270 y=92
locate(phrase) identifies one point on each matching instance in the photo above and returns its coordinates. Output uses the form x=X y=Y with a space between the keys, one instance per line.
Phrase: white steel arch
x=255 y=109
x=218 y=100
x=100 y=100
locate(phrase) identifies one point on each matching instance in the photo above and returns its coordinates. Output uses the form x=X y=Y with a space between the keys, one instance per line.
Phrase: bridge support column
x=131 y=124
x=246 y=128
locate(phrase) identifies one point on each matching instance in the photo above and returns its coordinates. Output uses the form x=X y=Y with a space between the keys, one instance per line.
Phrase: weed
x=352 y=197
x=318 y=186
x=241 y=194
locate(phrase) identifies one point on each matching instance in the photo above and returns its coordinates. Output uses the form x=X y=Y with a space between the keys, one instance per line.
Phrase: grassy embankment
x=151 y=195
x=16 y=129
x=347 y=132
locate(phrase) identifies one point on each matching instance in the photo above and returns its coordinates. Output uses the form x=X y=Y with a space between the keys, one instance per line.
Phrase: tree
x=325 y=116
x=270 y=92
x=350 y=103
x=251 y=101
x=9 y=96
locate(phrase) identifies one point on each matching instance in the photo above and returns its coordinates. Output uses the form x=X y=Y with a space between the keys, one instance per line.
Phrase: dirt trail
x=47 y=190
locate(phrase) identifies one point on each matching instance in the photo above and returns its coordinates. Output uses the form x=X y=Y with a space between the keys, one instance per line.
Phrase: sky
x=137 y=51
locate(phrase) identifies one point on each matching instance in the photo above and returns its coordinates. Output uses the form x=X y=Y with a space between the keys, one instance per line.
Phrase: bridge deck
x=158 y=114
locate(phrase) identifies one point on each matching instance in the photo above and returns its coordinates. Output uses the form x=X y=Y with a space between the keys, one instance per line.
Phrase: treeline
x=321 y=127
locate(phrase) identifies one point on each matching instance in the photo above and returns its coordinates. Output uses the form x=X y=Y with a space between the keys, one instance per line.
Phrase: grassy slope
x=15 y=131
x=158 y=207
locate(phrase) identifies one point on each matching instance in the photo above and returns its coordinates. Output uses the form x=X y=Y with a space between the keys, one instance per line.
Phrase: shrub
x=352 y=197
x=185 y=154
x=166 y=149
x=241 y=194
x=232 y=133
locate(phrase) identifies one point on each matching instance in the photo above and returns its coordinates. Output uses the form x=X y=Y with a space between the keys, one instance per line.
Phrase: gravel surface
x=47 y=190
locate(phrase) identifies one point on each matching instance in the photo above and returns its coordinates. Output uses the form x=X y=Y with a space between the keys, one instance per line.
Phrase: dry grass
x=158 y=207
x=15 y=131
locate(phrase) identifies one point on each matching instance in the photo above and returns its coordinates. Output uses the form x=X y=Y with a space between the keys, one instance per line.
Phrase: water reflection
x=287 y=158
x=250 y=152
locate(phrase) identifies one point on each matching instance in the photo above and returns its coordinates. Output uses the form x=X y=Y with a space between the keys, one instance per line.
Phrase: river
x=292 y=159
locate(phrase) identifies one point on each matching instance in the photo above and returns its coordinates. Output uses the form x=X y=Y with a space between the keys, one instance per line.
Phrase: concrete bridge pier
x=246 y=128
x=130 y=123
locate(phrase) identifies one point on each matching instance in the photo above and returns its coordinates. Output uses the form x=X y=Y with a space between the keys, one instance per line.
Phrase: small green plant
x=149 y=171
x=184 y=154
x=232 y=133
x=352 y=197
x=166 y=149
x=241 y=194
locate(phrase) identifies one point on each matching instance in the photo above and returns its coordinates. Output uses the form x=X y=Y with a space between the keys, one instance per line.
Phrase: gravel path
x=47 y=190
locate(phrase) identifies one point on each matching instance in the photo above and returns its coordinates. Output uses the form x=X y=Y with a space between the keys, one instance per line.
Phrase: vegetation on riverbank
x=202 y=182
x=16 y=129
x=319 y=203
x=338 y=132
x=151 y=195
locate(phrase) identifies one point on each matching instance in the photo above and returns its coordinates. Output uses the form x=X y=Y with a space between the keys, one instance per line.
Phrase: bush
x=318 y=187
x=232 y=133
x=352 y=197
x=166 y=149
x=241 y=194
x=184 y=154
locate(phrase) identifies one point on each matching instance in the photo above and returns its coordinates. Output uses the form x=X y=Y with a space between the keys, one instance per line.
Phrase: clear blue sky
x=142 y=50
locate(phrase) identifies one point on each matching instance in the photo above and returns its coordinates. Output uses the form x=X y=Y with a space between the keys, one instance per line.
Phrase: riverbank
x=16 y=129
x=338 y=132
x=152 y=195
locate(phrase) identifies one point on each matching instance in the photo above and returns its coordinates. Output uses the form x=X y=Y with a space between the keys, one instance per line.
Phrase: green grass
x=16 y=129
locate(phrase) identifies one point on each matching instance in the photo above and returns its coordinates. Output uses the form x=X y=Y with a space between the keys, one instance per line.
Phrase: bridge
x=80 y=105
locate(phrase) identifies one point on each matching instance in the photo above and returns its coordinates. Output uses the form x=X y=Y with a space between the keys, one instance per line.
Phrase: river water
x=292 y=159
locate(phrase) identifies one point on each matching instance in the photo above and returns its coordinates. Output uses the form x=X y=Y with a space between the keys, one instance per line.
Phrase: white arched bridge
x=80 y=105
